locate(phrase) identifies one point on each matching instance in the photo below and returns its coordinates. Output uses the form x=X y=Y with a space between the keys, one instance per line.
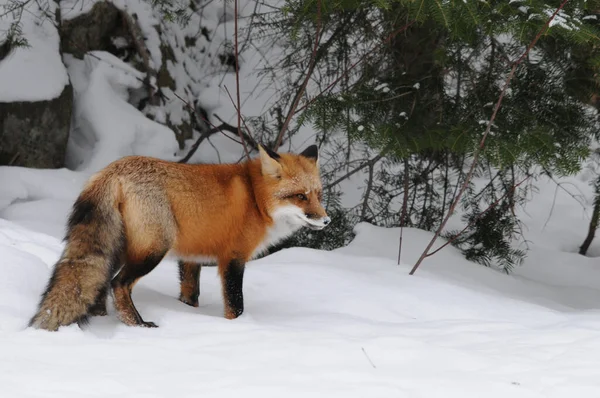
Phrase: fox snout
x=317 y=222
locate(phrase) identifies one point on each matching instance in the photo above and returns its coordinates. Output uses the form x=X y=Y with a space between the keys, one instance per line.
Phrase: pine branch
x=14 y=7
x=482 y=143
x=490 y=207
x=354 y=65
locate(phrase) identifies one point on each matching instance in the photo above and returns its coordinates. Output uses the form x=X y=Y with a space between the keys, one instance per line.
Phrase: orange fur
x=226 y=213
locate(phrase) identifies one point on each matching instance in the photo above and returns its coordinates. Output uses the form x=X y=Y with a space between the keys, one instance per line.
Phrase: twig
x=204 y=136
x=309 y=73
x=369 y=359
x=404 y=205
x=368 y=163
x=14 y=8
x=14 y=158
x=482 y=143
x=365 y=206
x=551 y=208
x=247 y=136
x=215 y=148
x=561 y=186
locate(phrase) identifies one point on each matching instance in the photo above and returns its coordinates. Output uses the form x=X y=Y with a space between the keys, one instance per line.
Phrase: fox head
x=294 y=187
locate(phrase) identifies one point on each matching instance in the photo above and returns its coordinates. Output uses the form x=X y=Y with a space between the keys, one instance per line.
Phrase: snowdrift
x=349 y=322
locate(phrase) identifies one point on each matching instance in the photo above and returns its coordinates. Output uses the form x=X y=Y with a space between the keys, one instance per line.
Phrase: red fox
x=134 y=212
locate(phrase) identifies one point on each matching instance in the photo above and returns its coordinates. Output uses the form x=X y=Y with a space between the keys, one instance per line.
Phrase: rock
x=35 y=134
x=94 y=30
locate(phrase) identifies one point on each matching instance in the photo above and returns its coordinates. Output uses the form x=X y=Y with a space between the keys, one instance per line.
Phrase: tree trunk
x=593 y=223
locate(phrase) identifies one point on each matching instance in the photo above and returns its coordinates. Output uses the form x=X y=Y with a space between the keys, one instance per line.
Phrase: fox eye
x=301 y=196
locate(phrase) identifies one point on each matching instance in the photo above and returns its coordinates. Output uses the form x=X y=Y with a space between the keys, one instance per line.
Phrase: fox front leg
x=232 y=277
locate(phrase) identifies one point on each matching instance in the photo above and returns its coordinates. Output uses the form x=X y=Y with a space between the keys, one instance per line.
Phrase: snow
x=561 y=19
x=106 y=124
x=348 y=322
x=39 y=199
x=35 y=72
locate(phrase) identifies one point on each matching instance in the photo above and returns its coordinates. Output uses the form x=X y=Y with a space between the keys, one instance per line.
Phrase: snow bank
x=107 y=126
x=36 y=72
x=26 y=257
x=347 y=323
x=39 y=199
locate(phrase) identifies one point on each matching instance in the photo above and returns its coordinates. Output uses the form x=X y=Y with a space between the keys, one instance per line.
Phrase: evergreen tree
x=424 y=78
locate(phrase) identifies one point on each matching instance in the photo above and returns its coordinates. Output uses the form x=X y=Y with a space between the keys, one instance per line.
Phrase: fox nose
x=326 y=220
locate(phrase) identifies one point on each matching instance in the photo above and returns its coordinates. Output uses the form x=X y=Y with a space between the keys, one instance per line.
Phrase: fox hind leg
x=189 y=277
x=123 y=284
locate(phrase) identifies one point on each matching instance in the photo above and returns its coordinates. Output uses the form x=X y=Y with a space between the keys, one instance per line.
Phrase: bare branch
x=204 y=136
x=237 y=82
x=309 y=73
x=368 y=163
x=404 y=206
x=365 y=205
x=248 y=138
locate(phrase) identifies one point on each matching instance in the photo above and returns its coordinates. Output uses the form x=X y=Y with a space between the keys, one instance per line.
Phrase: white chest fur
x=286 y=222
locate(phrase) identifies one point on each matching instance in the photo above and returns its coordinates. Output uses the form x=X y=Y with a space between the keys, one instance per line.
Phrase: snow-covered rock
x=35 y=95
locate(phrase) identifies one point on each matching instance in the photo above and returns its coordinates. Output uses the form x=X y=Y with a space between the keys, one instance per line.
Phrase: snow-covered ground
x=347 y=323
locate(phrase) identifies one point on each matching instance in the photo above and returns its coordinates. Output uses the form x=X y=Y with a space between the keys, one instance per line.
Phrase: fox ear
x=312 y=152
x=269 y=161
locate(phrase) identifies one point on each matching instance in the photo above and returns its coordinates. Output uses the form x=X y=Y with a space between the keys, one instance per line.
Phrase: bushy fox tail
x=95 y=242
